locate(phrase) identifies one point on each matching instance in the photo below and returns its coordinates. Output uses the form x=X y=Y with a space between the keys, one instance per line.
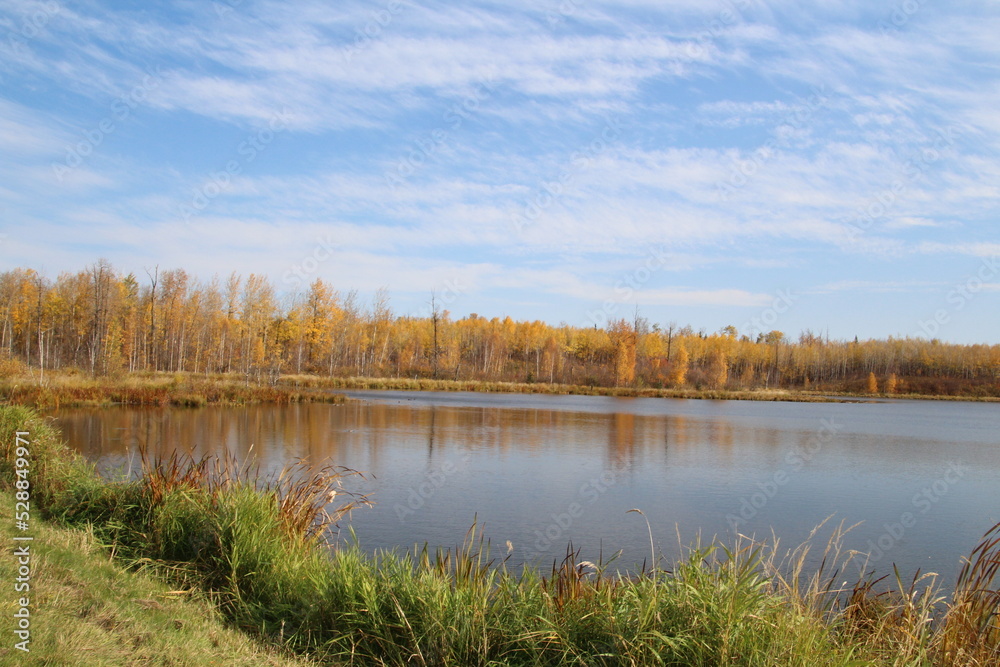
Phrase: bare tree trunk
x=151 y=343
x=434 y=324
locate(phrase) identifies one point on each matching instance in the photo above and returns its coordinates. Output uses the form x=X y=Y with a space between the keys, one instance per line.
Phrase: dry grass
x=424 y=384
x=302 y=494
x=155 y=389
x=970 y=634
x=19 y=385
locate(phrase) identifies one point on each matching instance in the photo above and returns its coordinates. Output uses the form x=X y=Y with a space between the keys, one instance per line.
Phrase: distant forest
x=103 y=322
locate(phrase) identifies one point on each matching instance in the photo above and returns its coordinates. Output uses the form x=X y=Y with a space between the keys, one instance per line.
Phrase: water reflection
x=541 y=471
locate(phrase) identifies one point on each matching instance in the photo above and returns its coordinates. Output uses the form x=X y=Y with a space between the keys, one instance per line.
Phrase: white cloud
x=983 y=249
x=910 y=222
x=721 y=156
x=26 y=132
x=873 y=286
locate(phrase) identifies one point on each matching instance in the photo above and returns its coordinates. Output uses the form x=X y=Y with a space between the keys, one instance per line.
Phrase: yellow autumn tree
x=257 y=308
x=623 y=340
x=679 y=367
x=717 y=370
x=102 y=321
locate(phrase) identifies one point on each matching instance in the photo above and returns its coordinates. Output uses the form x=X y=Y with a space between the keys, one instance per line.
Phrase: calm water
x=540 y=471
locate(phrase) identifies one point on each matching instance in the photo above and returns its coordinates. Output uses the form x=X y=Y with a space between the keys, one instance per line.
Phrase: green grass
x=88 y=610
x=256 y=550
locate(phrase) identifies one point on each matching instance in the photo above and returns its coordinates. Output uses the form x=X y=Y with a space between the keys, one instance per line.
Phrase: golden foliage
x=103 y=322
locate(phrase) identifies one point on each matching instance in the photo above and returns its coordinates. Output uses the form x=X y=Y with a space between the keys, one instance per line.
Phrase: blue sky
x=832 y=166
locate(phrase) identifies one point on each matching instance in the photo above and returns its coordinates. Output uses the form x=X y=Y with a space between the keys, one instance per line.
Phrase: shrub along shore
x=428 y=384
x=62 y=389
x=145 y=388
x=257 y=549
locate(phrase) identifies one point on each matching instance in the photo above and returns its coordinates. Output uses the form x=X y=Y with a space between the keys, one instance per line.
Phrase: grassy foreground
x=256 y=549
x=88 y=610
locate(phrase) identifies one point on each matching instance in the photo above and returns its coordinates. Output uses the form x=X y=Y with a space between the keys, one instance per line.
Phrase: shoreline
x=477 y=386
x=163 y=389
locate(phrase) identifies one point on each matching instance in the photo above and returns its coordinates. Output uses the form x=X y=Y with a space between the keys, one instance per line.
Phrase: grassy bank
x=257 y=550
x=87 y=609
x=156 y=389
x=425 y=384
x=66 y=389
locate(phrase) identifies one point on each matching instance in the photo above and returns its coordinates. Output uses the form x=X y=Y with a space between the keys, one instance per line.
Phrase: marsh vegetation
x=257 y=548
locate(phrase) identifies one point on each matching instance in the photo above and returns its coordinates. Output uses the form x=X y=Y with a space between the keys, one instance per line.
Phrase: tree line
x=105 y=322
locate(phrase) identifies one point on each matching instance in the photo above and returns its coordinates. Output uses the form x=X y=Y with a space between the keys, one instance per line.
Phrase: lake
x=540 y=471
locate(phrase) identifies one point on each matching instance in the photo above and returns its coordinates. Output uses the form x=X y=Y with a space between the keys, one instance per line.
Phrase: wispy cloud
x=763 y=145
